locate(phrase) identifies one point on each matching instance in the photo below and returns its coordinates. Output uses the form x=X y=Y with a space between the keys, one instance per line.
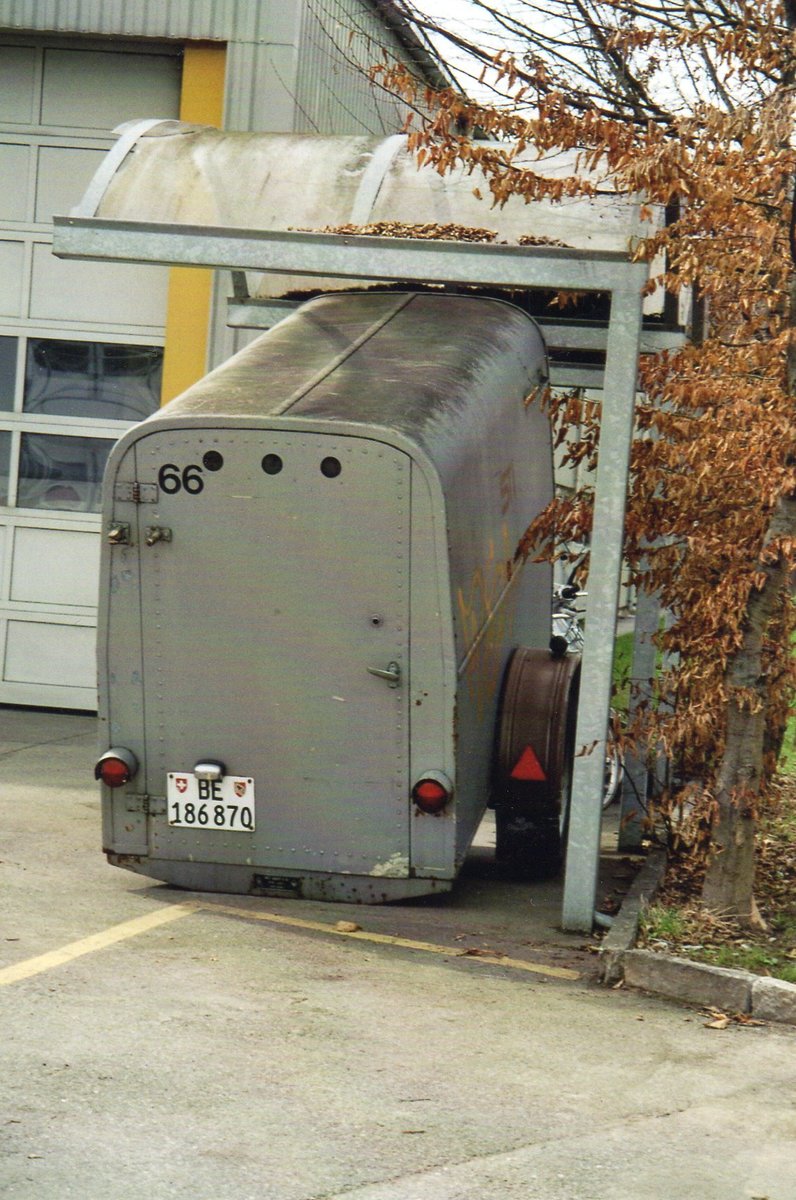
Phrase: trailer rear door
x=274 y=580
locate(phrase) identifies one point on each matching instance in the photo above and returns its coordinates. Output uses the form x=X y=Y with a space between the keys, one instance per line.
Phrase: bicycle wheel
x=614 y=769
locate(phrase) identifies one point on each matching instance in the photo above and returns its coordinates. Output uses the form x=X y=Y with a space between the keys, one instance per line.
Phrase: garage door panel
x=64 y=174
x=14 y=172
x=12 y=266
x=18 y=91
x=101 y=293
x=91 y=89
x=44 y=653
x=55 y=566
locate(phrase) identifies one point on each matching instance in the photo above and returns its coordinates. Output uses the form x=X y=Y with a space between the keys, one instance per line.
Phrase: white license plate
x=221 y=804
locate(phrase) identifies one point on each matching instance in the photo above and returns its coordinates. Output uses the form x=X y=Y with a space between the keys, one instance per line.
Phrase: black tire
x=527 y=846
x=538 y=709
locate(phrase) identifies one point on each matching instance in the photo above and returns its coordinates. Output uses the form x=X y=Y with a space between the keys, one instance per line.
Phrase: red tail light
x=432 y=792
x=116 y=767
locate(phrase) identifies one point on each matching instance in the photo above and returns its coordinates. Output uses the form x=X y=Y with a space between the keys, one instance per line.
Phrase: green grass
x=756 y=959
x=787 y=761
x=623 y=661
x=659 y=923
x=696 y=934
x=690 y=931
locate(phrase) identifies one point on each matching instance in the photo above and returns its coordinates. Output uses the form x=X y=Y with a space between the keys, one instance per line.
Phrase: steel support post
x=605 y=565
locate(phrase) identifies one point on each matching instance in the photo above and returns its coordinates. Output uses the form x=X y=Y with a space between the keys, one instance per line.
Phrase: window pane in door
x=8 y=370
x=5 y=464
x=100 y=380
x=58 y=472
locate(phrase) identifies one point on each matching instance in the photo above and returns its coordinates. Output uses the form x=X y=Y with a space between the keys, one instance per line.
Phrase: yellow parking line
x=383 y=939
x=97 y=941
x=129 y=929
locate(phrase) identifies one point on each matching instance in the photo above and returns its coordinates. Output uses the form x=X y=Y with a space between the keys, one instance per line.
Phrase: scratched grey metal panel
x=396 y=359
x=119 y=620
x=264 y=315
x=415 y=373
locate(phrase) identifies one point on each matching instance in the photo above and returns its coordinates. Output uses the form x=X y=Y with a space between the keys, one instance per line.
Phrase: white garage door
x=80 y=353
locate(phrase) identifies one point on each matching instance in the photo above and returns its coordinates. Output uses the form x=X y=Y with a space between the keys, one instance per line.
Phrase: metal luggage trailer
x=310 y=595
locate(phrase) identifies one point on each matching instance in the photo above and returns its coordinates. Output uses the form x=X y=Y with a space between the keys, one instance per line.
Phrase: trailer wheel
x=535 y=746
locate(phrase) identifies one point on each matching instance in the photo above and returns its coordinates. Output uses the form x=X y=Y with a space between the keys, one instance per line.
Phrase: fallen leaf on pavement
x=720 y=1020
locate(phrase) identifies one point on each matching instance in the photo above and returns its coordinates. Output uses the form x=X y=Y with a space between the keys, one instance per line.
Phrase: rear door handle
x=392 y=674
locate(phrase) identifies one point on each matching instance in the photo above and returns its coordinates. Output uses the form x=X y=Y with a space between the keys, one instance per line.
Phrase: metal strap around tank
x=129 y=133
x=440 y=198
x=373 y=177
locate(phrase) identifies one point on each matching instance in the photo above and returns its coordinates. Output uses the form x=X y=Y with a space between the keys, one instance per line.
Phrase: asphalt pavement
x=159 y=1043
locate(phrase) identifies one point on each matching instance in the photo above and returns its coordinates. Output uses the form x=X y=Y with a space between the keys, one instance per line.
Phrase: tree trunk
x=729 y=880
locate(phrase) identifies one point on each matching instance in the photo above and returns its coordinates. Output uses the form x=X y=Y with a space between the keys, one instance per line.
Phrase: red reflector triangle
x=528 y=767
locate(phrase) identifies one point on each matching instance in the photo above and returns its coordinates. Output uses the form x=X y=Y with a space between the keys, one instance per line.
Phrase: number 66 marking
x=171 y=480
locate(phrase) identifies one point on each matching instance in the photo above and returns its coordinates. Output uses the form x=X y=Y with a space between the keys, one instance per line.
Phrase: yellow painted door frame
x=191 y=288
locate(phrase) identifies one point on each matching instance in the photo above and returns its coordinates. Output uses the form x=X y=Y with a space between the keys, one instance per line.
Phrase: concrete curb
x=621 y=937
x=759 y=996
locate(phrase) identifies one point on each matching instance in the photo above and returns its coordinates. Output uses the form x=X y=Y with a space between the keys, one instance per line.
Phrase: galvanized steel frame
x=368 y=258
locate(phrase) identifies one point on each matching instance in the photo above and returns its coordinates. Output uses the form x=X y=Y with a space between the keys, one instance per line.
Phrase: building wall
x=291 y=65
x=340 y=41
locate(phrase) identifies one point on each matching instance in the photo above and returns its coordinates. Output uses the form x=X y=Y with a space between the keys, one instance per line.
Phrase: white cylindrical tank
x=189 y=175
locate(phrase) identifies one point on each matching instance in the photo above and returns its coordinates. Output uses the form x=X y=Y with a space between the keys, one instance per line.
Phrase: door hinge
x=136 y=493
